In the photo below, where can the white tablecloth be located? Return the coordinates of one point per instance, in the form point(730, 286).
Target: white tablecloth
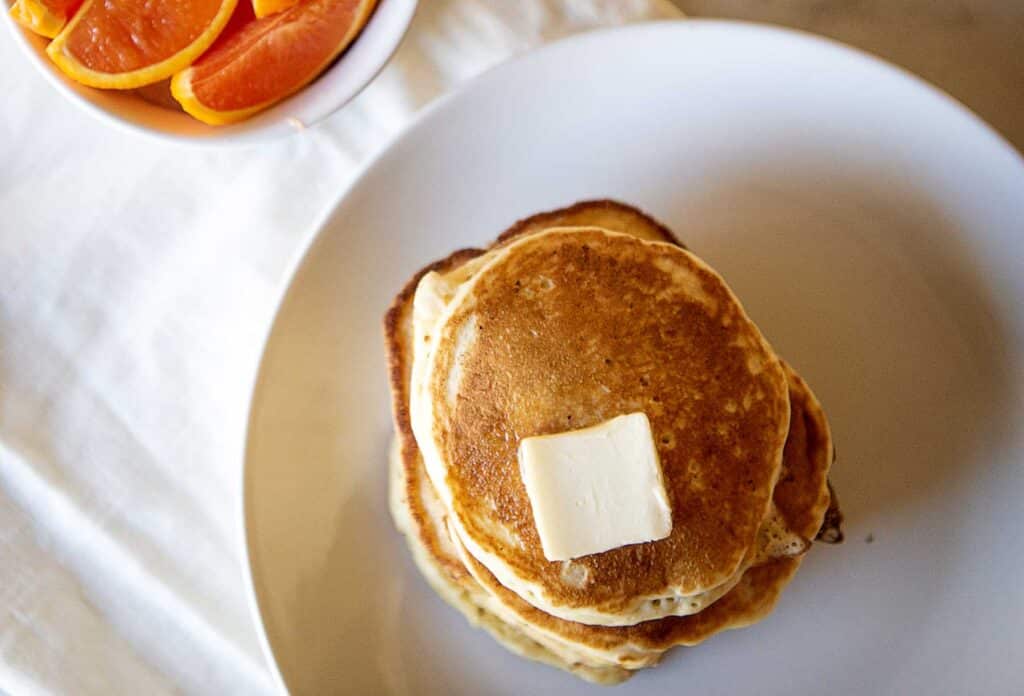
point(136, 282)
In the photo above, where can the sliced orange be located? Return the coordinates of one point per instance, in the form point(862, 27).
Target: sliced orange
point(266, 60)
point(262, 8)
point(44, 17)
point(121, 44)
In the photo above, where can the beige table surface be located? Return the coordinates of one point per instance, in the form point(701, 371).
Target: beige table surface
point(973, 49)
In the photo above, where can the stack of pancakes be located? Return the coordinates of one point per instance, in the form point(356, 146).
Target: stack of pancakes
point(569, 319)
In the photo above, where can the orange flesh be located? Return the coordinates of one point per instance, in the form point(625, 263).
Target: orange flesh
point(117, 36)
point(45, 17)
point(267, 59)
point(61, 7)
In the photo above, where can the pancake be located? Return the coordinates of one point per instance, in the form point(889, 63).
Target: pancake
point(421, 517)
point(606, 214)
point(803, 495)
point(649, 327)
point(637, 647)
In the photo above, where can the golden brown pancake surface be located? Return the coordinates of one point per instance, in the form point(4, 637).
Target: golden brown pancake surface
point(577, 327)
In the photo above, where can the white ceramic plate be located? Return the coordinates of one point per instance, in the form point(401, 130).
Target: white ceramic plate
point(338, 85)
point(874, 229)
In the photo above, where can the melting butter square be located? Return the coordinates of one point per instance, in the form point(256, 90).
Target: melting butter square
point(596, 489)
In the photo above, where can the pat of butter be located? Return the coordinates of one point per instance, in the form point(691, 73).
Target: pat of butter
point(595, 489)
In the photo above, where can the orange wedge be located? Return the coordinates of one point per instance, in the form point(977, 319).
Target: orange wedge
point(262, 8)
point(44, 17)
point(266, 60)
point(121, 44)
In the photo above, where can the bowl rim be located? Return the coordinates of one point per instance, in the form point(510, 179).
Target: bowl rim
point(243, 133)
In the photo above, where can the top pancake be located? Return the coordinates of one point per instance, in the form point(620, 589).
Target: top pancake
point(563, 330)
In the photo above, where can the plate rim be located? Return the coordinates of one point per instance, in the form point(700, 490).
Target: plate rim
point(302, 254)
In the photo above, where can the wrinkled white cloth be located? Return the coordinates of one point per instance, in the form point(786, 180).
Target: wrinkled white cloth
point(136, 282)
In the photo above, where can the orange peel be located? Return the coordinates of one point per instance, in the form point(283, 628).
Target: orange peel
point(44, 17)
point(123, 44)
point(266, 60)
point(264, 8)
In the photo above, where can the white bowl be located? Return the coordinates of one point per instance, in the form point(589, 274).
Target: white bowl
point(325, 95)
